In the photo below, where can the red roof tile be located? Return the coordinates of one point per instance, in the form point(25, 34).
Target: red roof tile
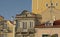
point(2, 17)
point(56, 24)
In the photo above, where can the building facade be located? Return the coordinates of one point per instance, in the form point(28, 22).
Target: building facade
point(39, 6)
point(25, 23)
point(6, 28)
point(28, 24)
point(50, 12)
point(43, 21)
point(48, 9)
point(48, 30)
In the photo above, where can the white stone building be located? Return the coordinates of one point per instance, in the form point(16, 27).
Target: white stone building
point(25, 23)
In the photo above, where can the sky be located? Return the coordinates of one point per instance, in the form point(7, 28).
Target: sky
point(10, 8)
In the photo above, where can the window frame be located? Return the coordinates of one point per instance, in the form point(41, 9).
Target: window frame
point(24, 25)
point(45, 35)
point(31, 24)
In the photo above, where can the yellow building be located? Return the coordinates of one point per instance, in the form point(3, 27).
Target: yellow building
point(11, 26)
point(49, 9)
point(1, 18)
point(7, 28)
point(39, 6)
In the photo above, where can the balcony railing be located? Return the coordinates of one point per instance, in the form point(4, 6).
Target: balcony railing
point(18, 30)
point(25, 31)
point(22, 31)
point(31, 30)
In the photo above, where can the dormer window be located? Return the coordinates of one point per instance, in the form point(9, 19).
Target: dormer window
point(49, 23)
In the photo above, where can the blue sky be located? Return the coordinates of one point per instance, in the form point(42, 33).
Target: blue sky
point(10, 8)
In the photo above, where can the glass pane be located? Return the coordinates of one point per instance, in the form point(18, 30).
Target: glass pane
point(54, 35)
point(24, 25)
point(31, 24)
point(45, 35)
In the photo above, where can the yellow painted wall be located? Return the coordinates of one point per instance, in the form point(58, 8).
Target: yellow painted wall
point(1, 18)
point(11, 27)
point(39, 6)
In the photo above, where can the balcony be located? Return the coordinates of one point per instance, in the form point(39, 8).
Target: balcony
point(31, 30)
point(24, 30)
point(18, 31)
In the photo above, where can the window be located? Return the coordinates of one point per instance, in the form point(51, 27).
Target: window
point(31, 24)
point(45, 35)
point(18, 24)
point(54, 35)
point(56, 4)
point(24, 25)
point(5, 26)
point(46, 4)
point(3, 35)
point(24, 36)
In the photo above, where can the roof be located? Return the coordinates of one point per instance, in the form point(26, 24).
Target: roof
point(56, 24)
point(1, 16)
point(27, 14)
point(12, 22)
